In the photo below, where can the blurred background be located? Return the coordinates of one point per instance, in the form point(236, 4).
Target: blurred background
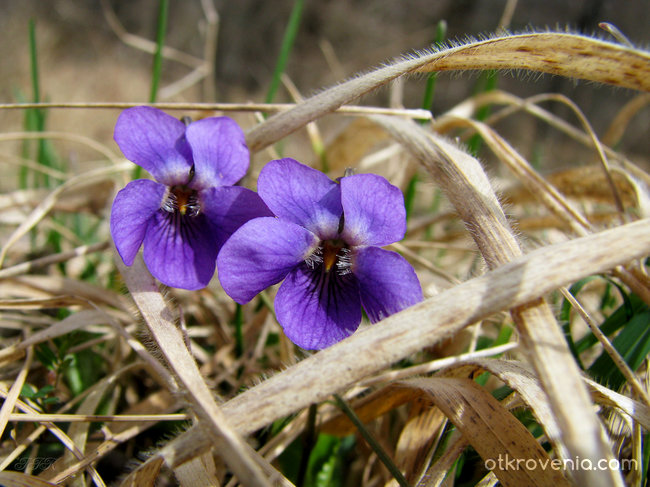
point(86, 53)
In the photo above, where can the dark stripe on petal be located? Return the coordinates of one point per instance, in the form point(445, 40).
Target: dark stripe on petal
point(180, 250)
point(317, 309)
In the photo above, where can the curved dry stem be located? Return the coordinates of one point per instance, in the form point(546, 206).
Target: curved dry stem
point(465, 184)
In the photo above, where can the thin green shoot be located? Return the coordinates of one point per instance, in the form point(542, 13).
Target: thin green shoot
point(161, 29)
point(372, 442)
point(285, 49)
point(427, 101)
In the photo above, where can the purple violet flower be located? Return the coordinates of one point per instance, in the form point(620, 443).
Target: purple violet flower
point(183, 217)
point(324, 242)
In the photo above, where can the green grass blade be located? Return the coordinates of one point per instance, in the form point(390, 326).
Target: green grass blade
point(374, 444)
point(163, 13)
point(33, 62)
point(617, 320)
point(285, 49)
point(427, 101)
point(633, 343)
point(161, 29)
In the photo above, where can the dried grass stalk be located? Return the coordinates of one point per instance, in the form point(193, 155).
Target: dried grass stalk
point(375, 348)
point(467, 188)
point(161, 324)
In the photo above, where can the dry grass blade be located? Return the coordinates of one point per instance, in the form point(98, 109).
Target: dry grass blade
point(48, 203)
point(418, 439)
point(120, 433)
point(198, 471)
point(14, 392)
point(17, 479)
point(78, 320)
point(634, 409)
point(494, 433)
point(26, 267)
point(47, 303)
point(563, 54)
point(160, 322)
point(538, 186)
point(373, 349)
point(521, 379)
point(53, 285)
point(145, 475)
point(550, 52)
point(619, 124)
point(640, 412)
point(466, 186)
point(65, 440)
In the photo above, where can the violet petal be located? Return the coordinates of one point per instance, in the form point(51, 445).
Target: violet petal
point(219, 152)
point(133, 207)
point(228, 208)
point(261, 253)
point(179, 250)
point(302, 195)
point(387, 281)
point(374, 210)
point(317, 309)
point(154, 141)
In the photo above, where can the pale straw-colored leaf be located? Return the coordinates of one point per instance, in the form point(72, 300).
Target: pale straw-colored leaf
point(562, 54)
point(496, 435)
point(198, 471)
point(635, 409)
point(418, 439)
point(399, 336)
point(521, 379)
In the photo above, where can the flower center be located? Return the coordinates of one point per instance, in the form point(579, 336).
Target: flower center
point(182, 200)
point(331, 254)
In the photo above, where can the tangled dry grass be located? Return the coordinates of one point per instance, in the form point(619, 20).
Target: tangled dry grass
point(106, 378)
